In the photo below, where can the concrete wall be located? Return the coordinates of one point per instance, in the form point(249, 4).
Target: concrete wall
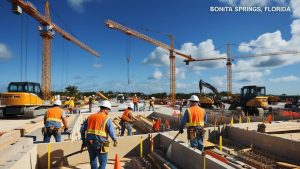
point(185, 157)
point(284, 148)
point(23, 154)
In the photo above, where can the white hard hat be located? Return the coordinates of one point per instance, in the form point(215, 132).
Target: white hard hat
point(152, 98)
point(130, 105)
point(57, 102)
point(105, 103)
point(194, 98)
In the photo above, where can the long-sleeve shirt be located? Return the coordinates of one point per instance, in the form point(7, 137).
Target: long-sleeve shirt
point(109, 126)
point(185, 119)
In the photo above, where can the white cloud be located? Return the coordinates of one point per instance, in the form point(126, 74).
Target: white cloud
point(4, 52)
point(295, 5)
point(205, 49)
point(252, 2)
point(158, 57)
point(157, 74)
point(96, 65)
point(77, 5)
point(289, 78)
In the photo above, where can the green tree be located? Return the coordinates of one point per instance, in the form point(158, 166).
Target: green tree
point(72, 91)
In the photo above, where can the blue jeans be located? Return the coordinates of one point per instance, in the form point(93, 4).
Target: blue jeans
point(198, 143)
point(136, 107)
point(126, 125)
point(47, 136)
point(93, 150)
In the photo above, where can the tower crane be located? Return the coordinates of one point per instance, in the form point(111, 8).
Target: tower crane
point(229, 60)
point(47, 30)
point(114, 25)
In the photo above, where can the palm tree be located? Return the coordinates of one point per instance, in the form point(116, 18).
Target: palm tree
point(72, 91)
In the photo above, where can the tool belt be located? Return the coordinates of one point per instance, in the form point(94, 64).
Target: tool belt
point(102, 147)
point(51, 130)
point(195, 132)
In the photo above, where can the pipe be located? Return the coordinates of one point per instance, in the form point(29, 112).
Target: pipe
point(163, 160)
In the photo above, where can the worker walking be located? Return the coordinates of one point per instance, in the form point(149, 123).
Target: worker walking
point(194, 118)
point(94, 135)
point(126, 120)
point(151, 103)
point(52, 120)
point(136, 103)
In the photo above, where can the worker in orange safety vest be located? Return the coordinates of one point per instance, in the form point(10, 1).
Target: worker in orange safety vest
point(135, 100)
point(126, 120)
point(194, 118)
point(52, 120)
point(94, 135)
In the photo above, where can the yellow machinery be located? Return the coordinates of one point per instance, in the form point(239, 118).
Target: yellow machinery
point(253, 100)
point(205, 101)
point(23, 98)
point(273, 99)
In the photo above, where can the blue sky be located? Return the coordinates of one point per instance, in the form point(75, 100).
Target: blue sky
point(196, 29)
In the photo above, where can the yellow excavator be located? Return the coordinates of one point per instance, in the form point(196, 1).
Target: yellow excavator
point(23, 98)
point(208, 102)
point(252, 100)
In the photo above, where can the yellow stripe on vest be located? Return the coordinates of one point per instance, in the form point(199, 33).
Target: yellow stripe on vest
point(100, 132)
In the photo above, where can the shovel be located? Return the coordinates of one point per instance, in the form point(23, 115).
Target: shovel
point(170, 147)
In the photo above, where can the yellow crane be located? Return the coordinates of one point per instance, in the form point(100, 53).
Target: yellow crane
point(128, 31)
point(229, 60)
point(23, 98)
point(47, 30)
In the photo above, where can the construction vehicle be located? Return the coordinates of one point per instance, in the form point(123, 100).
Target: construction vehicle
point(205, 101)
point(23, 98)
point(252, 100)
point(273, 99)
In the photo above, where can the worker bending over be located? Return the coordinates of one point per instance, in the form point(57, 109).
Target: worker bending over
point(194, 118)
point(94, 135)
point(52, 120)
point(126, 119)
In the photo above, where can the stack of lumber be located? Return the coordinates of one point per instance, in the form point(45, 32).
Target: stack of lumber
point(278, 127)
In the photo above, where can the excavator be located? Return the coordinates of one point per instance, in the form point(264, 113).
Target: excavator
point(252, 100)
point(23, 98)
point(208, 102)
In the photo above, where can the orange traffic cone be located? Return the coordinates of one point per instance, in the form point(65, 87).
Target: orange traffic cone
point(117, 162)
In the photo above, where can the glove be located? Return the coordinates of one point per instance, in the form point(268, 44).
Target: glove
point(115, 143)
point(66, 129)
point(181, 131)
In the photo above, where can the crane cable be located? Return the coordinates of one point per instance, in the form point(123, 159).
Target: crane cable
point(128, 57)
point(26, 47)
point(21, 62)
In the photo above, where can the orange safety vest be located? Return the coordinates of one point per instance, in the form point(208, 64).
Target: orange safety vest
point(196, 116)
point(135, 100)
point(125, 115)
point(54, 114)
point(96, 124)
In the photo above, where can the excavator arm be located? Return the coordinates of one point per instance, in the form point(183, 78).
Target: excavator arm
point(209, 86)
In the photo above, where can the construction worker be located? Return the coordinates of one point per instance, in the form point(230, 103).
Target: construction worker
point(71, 104)
point(151, 103)
point(94, 135)
point(90, 104)
point(194, 118)
point(52, 121)
point(67, 102)
point(156, 125)
point(135, 100)
point(126, 119)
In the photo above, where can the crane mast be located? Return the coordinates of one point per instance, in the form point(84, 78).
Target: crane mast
point(114, 25)
point(47, 34)
point(229, 59)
